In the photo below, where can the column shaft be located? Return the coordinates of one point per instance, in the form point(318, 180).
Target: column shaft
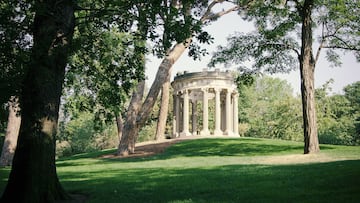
point(177, 114)
point(185, 131)
point(194, 118)
point(228, 130)
point(235, 115)
point(205, 130)
point(217, 130)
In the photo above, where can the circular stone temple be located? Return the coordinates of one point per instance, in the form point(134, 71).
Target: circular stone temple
point(205, 103)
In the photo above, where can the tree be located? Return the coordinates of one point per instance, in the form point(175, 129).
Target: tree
point(190, 26)
point(338, 115)
point(269, 110)
point(274, 46)
point(12, 132)
point(15, 20)
point(352, 94)
point(118, 67)
point(102, 75)
point(33, 176)
point(164, 106)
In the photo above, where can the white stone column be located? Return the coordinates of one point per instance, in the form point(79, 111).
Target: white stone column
point(177, 114)
point(228, 130)
point(223, 115)
point(194, 117)
point(185, 131)
point(217, 130)
point(205, 130)
point(236, 114)
point(174, 117)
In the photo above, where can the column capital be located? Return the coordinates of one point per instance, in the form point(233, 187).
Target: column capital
point(183, 91)
point(217, 89)
point(205, 89)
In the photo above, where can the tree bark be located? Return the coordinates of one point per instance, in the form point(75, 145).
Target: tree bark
point(131, 127)
point(33, 177)
point(307, 68)
point(164, 107)
point(12, 132)
point(119, 125)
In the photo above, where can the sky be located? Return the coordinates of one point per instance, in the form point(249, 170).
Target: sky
point(226, 25)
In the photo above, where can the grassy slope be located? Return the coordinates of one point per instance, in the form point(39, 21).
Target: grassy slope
point(217, 170)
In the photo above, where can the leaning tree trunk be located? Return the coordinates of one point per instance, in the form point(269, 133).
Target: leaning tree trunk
point(119, 125)
point(135, 122)
point(33, 177)
point(127, 144)
point(164, 107)
point(12, 132)
point(307, 68)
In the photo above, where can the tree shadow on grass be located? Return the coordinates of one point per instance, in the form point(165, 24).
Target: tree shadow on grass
point(321, 182)
point(198, 148)
point(220, 148)
point(227, 147)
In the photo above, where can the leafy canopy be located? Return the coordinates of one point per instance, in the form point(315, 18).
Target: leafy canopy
point(275, 45)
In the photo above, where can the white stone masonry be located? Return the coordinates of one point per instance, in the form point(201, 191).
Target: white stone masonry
point(201, 88)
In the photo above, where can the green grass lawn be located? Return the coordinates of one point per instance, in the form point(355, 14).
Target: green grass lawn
point(217, 170)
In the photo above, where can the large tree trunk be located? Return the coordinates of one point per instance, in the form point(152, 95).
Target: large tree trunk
point(12, 132)
point(307, 68)
point(164, 107)
point(127, 144)
point(136, 121)
point(33, 177)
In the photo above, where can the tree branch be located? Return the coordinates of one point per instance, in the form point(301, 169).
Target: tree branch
point(323, 39)
point(343, 48)
point(219, 14)
point(208, 11)
point(285, 46)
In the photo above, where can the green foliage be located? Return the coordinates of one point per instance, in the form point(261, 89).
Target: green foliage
point(79, 136)
point(272, 48)
point(244, 80)
point(338, 115)
point(15, 43)
point(352, 94)
point(147, 133)
point(275, 45)
point(266, 55)
point(268, 109)
point(340, 27)
point(111, 41)
point(105, 75)
point(3, 118)
point(2, 139)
